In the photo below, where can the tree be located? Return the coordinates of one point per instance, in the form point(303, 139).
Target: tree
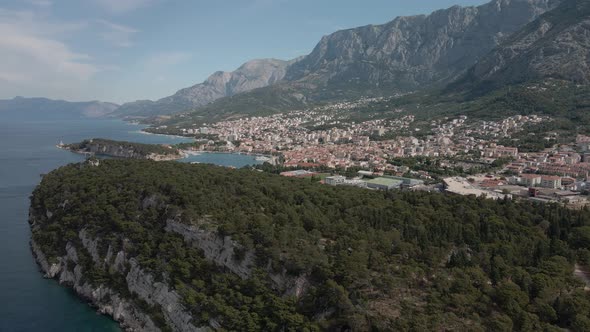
point(581, 237)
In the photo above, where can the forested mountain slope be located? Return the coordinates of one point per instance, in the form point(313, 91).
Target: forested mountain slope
point(178, 246)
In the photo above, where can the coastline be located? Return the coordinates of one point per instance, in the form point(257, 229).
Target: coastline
point(141, 131)
point(156, 157)
point(188, 152)
point(51, 271)
point(103, 300)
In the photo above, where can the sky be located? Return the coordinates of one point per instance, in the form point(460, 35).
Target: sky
point(126, 50)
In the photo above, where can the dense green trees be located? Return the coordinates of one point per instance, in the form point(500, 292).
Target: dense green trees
point(454, 166)
point(381, 260)
point(138, 148)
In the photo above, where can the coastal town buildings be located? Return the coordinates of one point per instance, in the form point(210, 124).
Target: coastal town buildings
point(327, 138)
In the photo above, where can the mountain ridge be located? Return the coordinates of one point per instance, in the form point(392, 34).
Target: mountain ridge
point(417, 49)
point(253, 74)
point(554, 46)
point(90, 109)
point(404, 55)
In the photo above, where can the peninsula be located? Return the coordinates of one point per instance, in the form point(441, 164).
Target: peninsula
point(122, 149)
point(165, 246)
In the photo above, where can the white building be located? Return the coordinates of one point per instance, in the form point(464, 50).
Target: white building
point(553, 182)
point(335, 180)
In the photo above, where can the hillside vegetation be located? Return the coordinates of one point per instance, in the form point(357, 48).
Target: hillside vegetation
point(370, 260)
point(122, 149)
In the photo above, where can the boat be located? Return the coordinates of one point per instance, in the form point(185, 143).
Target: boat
point(193, 153)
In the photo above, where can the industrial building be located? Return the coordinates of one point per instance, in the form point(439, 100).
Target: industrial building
point(335, 180)
point(300, 173)
point(384, 183)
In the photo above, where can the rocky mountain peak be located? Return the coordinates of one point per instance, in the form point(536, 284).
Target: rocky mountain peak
point(409, 52)
point(556, 45)
point(405, 54)
point(251, 75)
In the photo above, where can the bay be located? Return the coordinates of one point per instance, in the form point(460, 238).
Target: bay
point(28, 302)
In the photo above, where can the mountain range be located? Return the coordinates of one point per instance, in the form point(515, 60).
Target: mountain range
point(410, 52)
point(26, 106)
point(251, 75)
point(556, 45)
point(406, 54)
point(479, 48)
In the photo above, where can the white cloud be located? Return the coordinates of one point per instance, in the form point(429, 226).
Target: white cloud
point(122, 6)
point(116, 34)
point(33, 59)
point(31, 22)
point(23, 53)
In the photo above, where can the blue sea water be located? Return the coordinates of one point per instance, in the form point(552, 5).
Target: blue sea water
point(27, 149)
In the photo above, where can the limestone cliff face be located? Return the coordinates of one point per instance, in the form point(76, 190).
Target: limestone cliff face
point(221, 250)
point(143, 285)
point(409, 52)
point(107, 301)
point(556, 45)
point(251, 75)
point(404, 55)
point(124, 309)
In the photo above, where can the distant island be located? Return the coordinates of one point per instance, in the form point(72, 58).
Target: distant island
point(122, 149)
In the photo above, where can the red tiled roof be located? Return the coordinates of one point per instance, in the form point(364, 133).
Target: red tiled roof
point(529, 176)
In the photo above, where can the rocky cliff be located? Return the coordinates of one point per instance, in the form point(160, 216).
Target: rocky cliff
point(556, 45)
point(139, 296)
point(110, 275)
point(407, 54)
point(183, 247)
point(106, 300)
point(133, 305)
point(410, 52)
point(221, 250)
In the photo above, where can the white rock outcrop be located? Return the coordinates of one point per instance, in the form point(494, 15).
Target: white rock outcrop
point(220, 250)
point(108, 301)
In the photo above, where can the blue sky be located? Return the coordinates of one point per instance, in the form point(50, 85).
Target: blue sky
point(124, 50)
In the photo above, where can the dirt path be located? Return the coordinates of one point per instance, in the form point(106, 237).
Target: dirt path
point(583, 275)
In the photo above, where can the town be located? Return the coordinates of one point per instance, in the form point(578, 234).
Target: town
point(461, 156)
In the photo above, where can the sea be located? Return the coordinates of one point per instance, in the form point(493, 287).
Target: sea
point(28, 302)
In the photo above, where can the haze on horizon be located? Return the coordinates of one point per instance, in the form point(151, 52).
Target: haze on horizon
point(125, 50)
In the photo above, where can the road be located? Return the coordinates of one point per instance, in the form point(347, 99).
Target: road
point(583, 275)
